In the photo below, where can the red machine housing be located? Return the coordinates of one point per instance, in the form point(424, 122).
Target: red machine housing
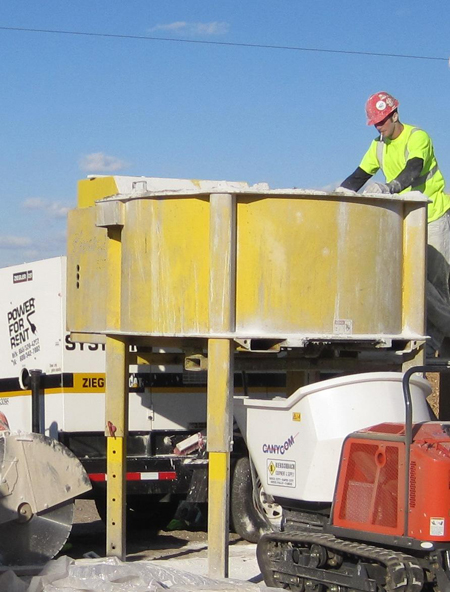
point(370, 490)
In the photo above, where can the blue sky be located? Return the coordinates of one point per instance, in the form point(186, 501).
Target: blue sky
point(77, 105)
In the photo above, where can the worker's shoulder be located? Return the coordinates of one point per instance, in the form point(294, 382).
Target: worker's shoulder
point(414, 130)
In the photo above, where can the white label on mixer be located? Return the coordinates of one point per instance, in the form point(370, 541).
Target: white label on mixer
point(343, 327)
point(281, 472)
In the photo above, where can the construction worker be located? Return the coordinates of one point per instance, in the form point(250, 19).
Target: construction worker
point(405, 154)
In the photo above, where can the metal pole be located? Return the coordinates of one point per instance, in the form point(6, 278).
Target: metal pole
point(414, 277)
point(219, 423)
point(116, 454)
point(220, 376)
point(116, 405)
point(35, 387)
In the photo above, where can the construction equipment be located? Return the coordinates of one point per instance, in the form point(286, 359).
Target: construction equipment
point(372, 517)
point(238, 276)
point(39, 480)
point(211, 268)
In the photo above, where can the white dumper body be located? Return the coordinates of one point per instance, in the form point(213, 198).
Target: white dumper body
point(296, 454)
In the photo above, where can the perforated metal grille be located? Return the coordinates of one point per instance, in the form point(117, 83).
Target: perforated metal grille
point(370, 494)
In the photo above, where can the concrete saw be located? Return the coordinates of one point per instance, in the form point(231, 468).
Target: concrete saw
point(39, 479)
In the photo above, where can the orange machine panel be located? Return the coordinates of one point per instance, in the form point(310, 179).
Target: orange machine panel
point(370, 492)
point(429, 498)
point(370, 489)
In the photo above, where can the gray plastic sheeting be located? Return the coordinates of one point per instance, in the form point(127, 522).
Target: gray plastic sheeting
point(112, 575)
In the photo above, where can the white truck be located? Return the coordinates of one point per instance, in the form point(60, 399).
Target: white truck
point(166, 403)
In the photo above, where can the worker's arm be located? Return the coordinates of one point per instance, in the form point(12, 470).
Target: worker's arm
point(356, 180)
point(367, 168)
point(406, 178)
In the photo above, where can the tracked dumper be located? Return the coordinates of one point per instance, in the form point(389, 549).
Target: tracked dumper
point(362, 484)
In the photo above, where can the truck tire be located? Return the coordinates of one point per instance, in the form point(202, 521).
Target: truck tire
point(246, 520)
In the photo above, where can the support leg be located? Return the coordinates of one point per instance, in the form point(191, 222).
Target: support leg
point(116, 433)
point(220, 424)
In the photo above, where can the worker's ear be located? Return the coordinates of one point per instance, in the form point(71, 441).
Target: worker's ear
point(395, 117)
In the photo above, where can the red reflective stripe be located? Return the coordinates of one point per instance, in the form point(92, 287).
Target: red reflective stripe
point(97, 476)
point(168, 476)
point(162, 476)
point(152, 476)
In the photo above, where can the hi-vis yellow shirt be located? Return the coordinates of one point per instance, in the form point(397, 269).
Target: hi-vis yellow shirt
point(392, 155)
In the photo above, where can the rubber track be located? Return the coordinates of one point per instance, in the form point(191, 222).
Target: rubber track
point(403, 572)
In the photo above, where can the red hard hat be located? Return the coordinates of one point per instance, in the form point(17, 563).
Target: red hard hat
point(379, 106)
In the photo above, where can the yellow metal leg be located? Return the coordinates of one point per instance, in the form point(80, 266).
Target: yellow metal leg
point(414, 278)
point(116, 498)
point(222, 295)
point(116, 433)
point(220, 413)
point(218, 514)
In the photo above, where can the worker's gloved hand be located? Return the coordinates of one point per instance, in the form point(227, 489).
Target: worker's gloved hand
point(376, 188)
point(394, 186)
point(344, 191)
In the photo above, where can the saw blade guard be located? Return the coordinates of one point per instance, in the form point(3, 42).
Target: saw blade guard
point(38, 471)
point(39, 479)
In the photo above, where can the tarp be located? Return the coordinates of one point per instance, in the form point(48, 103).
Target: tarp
point(112, 575)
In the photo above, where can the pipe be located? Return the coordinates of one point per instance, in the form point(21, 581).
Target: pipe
point(35, 387)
